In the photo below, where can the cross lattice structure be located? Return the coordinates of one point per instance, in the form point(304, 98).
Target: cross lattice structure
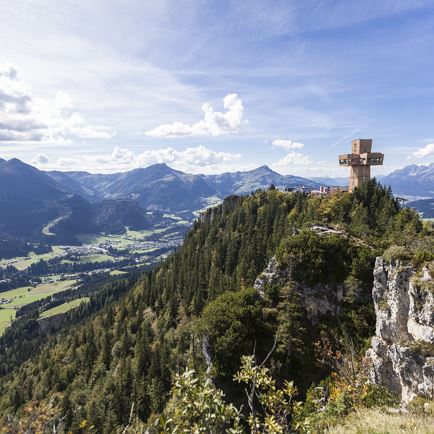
point(360, 161)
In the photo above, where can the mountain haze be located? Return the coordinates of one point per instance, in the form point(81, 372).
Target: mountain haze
point(412, 180)
point(36, 207)
point(163, 188)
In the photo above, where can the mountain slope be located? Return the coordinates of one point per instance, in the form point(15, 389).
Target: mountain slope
point(262, 177)
point(28, 198)
point(155, 187)
point(163, 188)
point(42, 208)
point(73, 185)
point(337, 181)
point(412, 180)
point(25, 182)
point(424, 206)
point(180, 314)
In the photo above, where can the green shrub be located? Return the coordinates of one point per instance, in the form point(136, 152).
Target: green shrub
point(377, 395)
point(383, 305)
point(425, 349)
point(421, 405)
point(394, 253)
point(232, 323)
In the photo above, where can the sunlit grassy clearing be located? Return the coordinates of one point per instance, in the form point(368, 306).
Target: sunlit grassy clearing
point(117, 272)
point(139, 235)
point(122, 240)
point(23, 262)
point(47, 229)
point(94, 258)
point(375, 421)
point(65, 307)
point(21, 296)
point(96, 239)
point(5, 318)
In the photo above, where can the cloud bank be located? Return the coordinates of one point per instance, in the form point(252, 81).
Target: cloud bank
point(213, 123)
point(423, 152)
point(287, 144)
point(197, 159)
point(293, 158)
point(24, 118)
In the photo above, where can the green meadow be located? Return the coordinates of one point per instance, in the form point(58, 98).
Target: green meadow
point(65, 307)
point(27, 294)
point(5, 318)
point(21, 263)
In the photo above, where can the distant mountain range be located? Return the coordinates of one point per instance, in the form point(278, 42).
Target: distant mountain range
point(412, 180)
point(53, 207)
point(325, 180)
point(34, 206)
point(159, 187)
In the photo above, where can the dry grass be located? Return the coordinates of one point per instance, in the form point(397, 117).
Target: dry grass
point(375, 421)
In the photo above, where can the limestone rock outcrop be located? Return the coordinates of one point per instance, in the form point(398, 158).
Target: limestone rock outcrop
point(272, 275)
point(322, 299)
point(402, 352)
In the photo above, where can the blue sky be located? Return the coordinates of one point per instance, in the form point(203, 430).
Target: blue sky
point(211, 86)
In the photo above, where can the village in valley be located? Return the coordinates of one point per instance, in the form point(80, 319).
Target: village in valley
point(66, 270)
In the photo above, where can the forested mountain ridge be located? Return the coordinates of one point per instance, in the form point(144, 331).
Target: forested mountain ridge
point(200, 302)
point(161, 187)
point(41, 209)
point(36, 208)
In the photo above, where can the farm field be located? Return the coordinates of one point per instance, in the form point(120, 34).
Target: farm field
point(117, 273)
point(5, 318)
point(121, 241)
point(65, 307)
point(26, 294)
point(136, 248)
point(21, 263)
point(95, 258)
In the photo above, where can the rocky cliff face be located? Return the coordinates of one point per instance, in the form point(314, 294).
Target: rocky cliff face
point(319, 300)
point(402, 353)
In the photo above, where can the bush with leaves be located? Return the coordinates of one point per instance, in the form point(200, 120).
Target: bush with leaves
point(197, 406)
point(270, 406)
point(346, 389)
point(232, 324)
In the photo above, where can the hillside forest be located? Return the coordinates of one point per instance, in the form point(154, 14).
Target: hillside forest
point(195, 343)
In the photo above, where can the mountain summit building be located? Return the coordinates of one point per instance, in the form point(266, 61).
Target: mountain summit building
point(360, 161)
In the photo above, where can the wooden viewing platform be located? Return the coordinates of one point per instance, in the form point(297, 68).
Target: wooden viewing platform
point(360, 161)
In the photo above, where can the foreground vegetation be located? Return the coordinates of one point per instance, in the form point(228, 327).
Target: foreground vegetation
point(381, 421)
point(119, 369)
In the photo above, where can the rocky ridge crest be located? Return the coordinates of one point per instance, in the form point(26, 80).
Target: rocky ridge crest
point(402, 352)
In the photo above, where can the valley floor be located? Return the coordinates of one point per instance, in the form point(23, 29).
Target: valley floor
point(99, 254)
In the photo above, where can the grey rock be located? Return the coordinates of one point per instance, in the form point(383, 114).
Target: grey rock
point(404, 307)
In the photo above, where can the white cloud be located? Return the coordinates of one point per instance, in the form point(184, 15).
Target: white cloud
point(423, 152)
point(293, 158)
point(213, 123)
point(197, 159)
point(40, 159)
point(287, 144)
point(24, 118)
